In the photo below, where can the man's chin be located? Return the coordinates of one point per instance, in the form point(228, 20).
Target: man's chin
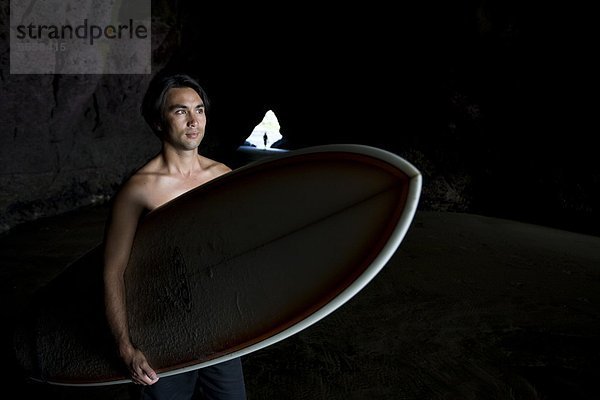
point(192, 143)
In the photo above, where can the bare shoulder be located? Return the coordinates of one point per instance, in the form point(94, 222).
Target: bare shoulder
point(137, 188)
point(215, 168)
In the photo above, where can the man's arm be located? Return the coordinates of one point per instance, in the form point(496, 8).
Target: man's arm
point(122, 224)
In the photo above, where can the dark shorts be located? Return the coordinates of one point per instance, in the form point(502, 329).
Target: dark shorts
point(224, 381)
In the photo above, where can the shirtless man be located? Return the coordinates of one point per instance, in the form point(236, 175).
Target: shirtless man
point(175, 108)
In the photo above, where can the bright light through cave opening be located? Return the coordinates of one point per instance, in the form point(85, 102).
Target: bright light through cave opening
point(266, 133)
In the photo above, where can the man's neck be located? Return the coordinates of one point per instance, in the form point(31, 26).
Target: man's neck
point(180, 162)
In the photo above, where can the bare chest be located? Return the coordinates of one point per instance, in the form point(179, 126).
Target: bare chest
point(168, 188)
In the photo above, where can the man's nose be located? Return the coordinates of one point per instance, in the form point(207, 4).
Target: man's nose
point(192, 120)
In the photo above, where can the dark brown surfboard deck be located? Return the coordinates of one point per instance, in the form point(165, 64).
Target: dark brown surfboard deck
point(231, 267)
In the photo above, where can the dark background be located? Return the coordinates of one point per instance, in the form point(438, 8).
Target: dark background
point(492, 100)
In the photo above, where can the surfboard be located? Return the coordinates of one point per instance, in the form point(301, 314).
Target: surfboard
point(228, 268)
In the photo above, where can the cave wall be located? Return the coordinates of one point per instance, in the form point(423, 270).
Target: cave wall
point(471, 92)
point(69, 140)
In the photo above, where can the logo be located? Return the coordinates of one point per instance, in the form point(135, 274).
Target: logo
point(80, 37)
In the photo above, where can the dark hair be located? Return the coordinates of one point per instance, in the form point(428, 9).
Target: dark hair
point(154, 100)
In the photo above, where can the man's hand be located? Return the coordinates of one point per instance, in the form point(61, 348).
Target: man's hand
point(140, 371)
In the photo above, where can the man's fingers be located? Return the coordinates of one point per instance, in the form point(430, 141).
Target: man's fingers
point(146, 374)
point(140, 371)
point(141, 377)
point(150, 374)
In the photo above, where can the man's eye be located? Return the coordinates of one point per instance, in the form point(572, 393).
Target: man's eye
point(200, 110)
point(180, 112)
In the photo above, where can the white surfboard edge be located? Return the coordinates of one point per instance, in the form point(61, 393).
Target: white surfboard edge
point(388, 250)
point(378, 263)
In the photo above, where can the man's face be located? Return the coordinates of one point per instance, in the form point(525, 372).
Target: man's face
point(184, 117)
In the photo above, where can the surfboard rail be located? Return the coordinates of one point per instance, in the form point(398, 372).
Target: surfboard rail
point(217, 261)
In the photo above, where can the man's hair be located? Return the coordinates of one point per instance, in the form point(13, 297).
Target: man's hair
point(153, 104)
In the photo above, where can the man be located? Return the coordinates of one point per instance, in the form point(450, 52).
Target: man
point(175, 108)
